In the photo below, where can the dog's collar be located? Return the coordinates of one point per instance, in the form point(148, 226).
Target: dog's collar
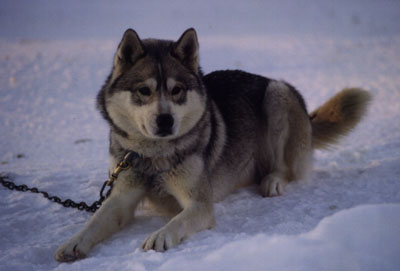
point(124, 164)
point(130, 157)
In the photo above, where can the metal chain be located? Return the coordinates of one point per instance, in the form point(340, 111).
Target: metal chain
point(82, 206)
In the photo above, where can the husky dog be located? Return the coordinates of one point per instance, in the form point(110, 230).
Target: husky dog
point(200, 137)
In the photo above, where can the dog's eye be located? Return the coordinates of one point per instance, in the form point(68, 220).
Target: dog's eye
point(145, 91)
point(176, 90)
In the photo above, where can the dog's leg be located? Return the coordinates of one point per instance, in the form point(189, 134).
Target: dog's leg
point(288, 138)
point(274, 183)
point(116, 212)
point(189, 185)
point(276, 106)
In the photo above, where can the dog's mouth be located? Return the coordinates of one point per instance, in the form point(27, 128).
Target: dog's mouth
point(159, 133)
point(164, 132)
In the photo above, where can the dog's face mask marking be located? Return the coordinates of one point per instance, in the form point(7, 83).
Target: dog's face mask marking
point(156, 91)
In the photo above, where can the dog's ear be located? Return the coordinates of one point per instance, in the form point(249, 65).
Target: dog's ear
point(186, 49)
point(129, 51)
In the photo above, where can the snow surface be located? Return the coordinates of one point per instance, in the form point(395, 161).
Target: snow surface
point(54, 57)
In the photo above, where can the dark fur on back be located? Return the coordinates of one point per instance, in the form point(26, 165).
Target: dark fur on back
point(225, 84)
point(224, 87)
point(238, 94)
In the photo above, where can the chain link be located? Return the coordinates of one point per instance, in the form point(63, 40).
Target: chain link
point(125, 164)
point(82, 206)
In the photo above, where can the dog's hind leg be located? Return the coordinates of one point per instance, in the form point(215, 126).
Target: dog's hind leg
point(274, 182)
point(286, 137)
point(275, 135)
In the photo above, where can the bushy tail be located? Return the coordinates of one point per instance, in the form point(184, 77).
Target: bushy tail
point(338, 116)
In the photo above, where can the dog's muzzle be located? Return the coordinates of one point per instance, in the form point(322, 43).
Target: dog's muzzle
point(165, 123)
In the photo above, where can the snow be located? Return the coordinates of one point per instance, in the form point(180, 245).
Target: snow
point(336, 237)
point(54, 57)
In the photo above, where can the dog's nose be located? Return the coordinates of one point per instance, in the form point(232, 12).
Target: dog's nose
point(165, 123)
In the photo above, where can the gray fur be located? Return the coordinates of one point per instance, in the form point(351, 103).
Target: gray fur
point(225, 130)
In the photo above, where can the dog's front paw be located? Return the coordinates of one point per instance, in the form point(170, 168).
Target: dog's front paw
point(162, 240)
point(74, 249)
point(272, 186)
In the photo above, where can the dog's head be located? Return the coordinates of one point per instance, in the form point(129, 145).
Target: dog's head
point(155, 88)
